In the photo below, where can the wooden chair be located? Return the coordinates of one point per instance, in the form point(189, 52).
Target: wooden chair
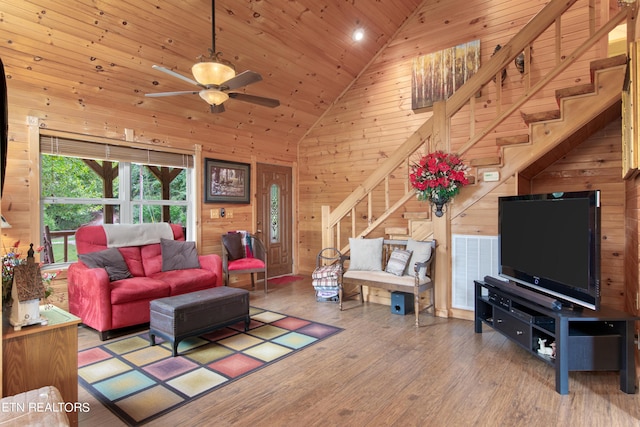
point(243, 253)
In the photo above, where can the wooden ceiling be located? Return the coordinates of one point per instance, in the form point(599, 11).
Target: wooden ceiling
point(99, 53)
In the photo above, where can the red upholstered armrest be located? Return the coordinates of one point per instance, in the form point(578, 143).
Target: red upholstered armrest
point(212, 262)
point(90, 295)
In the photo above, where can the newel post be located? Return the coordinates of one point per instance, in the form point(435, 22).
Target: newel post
point(442, 225)
point(327, 234)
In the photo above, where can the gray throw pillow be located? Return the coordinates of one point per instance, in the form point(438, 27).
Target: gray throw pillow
point(111, 260)
point(365, 254)
point(178, 255)
point(398, 261)
point(233, 244)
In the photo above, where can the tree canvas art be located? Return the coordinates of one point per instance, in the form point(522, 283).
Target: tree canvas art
point(438, 75)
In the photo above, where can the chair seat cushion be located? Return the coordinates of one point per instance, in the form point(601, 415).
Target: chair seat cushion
point(246, 264)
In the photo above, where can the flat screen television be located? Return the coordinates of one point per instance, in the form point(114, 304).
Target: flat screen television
point(550, 243)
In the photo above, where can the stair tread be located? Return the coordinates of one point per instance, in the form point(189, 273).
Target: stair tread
point(415, 215)
point(512, 140)
point(486, 161)
point(613, 61)
point(542, 116)
point(575, 90)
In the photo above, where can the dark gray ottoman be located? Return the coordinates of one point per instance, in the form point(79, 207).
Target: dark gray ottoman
point(182, 316)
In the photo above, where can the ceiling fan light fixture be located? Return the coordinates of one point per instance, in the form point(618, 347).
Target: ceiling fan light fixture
point(212, 73)
point(213, 96)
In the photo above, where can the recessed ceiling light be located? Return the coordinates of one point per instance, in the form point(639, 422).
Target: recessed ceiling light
point(358, 34)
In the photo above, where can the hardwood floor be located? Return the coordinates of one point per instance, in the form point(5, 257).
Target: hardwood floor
point(383, 371)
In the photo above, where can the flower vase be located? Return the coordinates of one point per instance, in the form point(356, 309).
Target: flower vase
point(439, 205)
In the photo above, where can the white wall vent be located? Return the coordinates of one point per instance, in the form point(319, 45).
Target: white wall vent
point(473, 258)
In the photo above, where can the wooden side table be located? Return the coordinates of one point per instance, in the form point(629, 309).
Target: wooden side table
point(38, 356)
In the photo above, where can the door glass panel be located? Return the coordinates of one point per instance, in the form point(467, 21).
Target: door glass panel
point(274, 215)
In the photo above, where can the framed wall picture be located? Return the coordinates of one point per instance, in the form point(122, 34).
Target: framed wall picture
point(226, 182)
point(438, 75)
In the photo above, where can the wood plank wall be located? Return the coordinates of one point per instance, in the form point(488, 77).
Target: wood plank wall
point(354, 136)
point(375, 116)
point(594, 164)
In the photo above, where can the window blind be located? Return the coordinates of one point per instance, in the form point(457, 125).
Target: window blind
point(60, 146)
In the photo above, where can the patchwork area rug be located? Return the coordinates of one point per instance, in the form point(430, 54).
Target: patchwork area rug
point(139, 383)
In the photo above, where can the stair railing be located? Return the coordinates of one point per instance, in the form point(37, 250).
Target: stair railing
point(550, 15)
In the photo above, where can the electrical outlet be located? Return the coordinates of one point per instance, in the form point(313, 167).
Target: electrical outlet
point(214, 213)
point(229, 213)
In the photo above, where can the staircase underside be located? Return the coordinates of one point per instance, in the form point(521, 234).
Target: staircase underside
point(581, 116)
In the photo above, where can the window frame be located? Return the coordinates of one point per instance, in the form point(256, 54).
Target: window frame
point(36, 213)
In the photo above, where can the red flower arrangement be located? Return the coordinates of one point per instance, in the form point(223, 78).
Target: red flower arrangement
point(438, 176)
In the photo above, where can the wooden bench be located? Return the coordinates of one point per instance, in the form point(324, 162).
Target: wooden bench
point(412, 283)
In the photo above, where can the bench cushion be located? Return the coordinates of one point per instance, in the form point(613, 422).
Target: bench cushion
point(384, 277)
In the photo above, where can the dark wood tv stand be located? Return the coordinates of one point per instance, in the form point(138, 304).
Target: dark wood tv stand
point(585, 340)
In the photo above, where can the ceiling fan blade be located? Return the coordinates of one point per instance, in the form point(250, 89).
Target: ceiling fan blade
point(217, 108)
point(184, 92)
point(174, 74)
point(242, 79)
point(259, 100)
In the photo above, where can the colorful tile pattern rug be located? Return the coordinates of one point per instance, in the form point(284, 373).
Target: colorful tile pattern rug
point(139, 383)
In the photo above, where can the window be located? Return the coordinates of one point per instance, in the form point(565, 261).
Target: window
point(274, 214)
point(96, 183)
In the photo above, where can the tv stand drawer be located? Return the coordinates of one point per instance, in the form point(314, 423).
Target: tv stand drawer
point(512, 327)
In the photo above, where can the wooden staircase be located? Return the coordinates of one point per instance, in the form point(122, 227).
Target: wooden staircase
point(549, 130)
point(578, 106)
point(531, 119)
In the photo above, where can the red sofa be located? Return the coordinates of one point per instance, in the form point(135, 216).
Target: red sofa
point(106, 305)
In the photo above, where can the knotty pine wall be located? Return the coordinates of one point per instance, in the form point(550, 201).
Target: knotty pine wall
point(375, 115)
point(594, 164)
point(372, 118)
point(356, 133)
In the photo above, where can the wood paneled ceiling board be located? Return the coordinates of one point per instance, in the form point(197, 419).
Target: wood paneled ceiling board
point(98, 53)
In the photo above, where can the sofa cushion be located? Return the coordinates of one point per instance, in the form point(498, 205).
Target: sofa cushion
point(365, 254)
point(181, 282)
point(398, 261)
point(233, 244)
point(138, 288)
point(133, 258)
point(151, 259)
point(421, 252)
point(111, 260)
point(177, 255)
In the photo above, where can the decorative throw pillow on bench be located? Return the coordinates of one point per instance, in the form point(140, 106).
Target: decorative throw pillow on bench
point(398, 262)
point(420, 252)
point(365, 254)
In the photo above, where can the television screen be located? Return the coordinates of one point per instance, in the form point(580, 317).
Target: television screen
point(551, 243)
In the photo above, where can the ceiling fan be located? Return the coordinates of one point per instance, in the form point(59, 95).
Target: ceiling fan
point(216, 77)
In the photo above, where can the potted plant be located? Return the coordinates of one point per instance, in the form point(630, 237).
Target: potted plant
point(10, 260)
point(437, 178)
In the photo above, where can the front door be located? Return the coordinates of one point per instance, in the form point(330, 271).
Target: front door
point(274, 216)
